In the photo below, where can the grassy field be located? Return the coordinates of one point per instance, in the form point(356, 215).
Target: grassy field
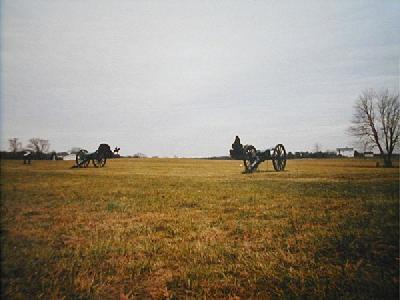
point(183, 228)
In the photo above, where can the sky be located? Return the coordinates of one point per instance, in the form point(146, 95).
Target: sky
point(183, 78)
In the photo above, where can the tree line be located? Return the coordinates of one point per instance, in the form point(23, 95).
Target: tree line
point(36, 145)
point(375, 124)
point(40, 148)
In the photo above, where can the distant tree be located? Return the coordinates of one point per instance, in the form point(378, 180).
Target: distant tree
point(39, 145)
point(376, 122)
point(317, 147)
point(14, 146)
point(139, 155)
point(364, 146)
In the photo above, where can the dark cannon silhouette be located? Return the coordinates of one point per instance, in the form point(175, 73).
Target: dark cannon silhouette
point(98, 158)
point(252, 157)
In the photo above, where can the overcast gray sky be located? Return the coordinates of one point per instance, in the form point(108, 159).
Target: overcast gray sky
point(184, 77)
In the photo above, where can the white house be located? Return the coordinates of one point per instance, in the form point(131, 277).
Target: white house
point(70, 157)
point(346, 152)
point(369, 154)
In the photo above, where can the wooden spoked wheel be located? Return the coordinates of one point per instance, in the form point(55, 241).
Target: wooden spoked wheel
point(100, 161)
point(279, 158)
point(81, 159)
point(249, 158)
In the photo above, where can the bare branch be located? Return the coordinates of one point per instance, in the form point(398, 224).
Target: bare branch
point(39, 145)
point(14, 145)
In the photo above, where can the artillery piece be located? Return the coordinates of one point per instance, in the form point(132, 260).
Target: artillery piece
point(98, 158)
point(252, 157)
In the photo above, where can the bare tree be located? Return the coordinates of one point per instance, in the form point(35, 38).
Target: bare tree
point(376, 121)
point(317, 147)
point(39, 145)
point(14, 145)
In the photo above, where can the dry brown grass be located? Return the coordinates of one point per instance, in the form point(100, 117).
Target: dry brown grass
point(182, 228)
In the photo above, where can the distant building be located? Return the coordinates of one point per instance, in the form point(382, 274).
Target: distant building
point(346, 152)
point(369, 154)
point(70, 157)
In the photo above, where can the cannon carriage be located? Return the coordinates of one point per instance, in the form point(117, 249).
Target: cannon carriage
point(252, 157)
point(98, 158)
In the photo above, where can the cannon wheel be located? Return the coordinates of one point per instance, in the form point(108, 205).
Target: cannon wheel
point(279, 158)
point(99, 161)
point(248, 158)
point(81, 160)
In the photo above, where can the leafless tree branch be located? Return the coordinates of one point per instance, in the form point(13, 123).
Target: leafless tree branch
point(39, 145)
point(14, 145)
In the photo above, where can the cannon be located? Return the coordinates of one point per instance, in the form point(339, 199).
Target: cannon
point(98, 158)
point(252, 157)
